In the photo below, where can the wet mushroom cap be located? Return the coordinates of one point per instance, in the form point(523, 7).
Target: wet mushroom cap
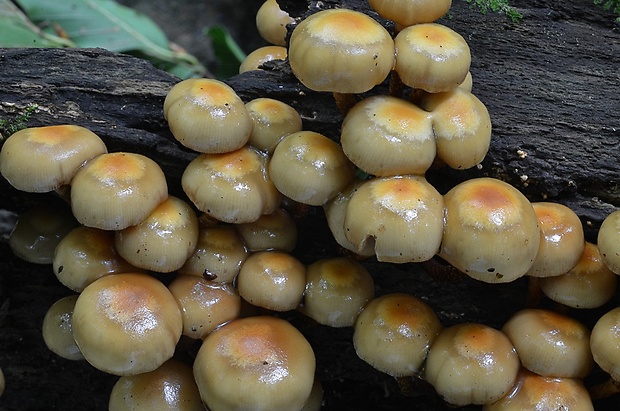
point(271, 22)
point(117, 190)
point(407, 12)
point(609, 241)
point(255, 362)
point(341, 50)
point(262, 55)
point(272, 120)
point(57, 331)
point(275, 231)
point(41, 159)
point(605, 343)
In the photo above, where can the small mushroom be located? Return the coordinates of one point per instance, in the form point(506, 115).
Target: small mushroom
point(272, 120)
point(407, 12)
point(262, 55)
point(609, 241)
point(57, 332)
point(275, 231)
point(605, 346)
point(271, 22)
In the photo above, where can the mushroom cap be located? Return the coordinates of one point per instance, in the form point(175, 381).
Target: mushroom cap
point(386, 136)
point(205, 305)
point(86, 254)
point(126, 324)
point(310, 168)
point(164, 240)
point(57, 331)
point(272, 279)
point(589, 284)
point(408, 12)
point(609, 241)
point(169, 387)
point(219, 253)
point(431, 57)
point(394, 333)
point(401, 215)
point(337, 289)
point(272, 120)
point(605, 343)
point(261, 363)
point(491, 231)
point(207, 116)
point(271, 22)
point(535, 392)
point(116, 190)
point(550, 344)
point(41, 159)
point(471, 363)
point(562, 240)
point(340, 50)
point(38, 231)
point(231, 187)
point(262, 55)
point(275, 231)
point(462, 127)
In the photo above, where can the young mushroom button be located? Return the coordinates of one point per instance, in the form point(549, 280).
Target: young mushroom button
point(409, 12)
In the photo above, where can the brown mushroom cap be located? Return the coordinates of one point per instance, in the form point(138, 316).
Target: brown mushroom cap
point(550, 344)
point(41, 159)
point(491, 231)
point(341, 50)
point(394, 334)
point(401, 215)
point(275, 231)
point(609, 241)
point(126, 324)
point(605, 343)
point(471, 363)
point(386, 136)
point(410, 12)
point(431, 57)
point(57, 331)
point(164, 240)
point(116, 190)
point(262, 55)
point(207, 116)
point(336, 291)
point(255, 363)
point(169, 387)
point(271, 22)
point(272, 120)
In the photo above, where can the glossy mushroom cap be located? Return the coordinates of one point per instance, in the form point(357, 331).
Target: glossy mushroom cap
point(410, 12)
point(337, 289)
point(275, 231)
point(471, 363)
point(402, 216)
point(310, 168)
point(394, 334)
point(605, 343)
point(271, 22)
point(231, 187)
point(41, 159)
point(609, 241)
point(550, 344)
point(387, 136)
point(431, 57)
point(262, 55)
point(126, 324)
point(57, 332)
point(342, 51)
point(491, 231)
point(116, 190)
point(164, 240)
point(272, 120)
point(562, 240)
point(169, 387)
point(255, 363)
point(207, 116)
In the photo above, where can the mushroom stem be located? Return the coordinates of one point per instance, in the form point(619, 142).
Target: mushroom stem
point(533, 292)
point(396, 85)
point(441, 270)
point(604, 389)
point(406, 386)
point(344, 102)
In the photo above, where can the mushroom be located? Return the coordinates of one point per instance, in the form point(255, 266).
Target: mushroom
point(126, 324)
point(605, 346)
point(407, 13)
point(589, 284)
point(116, 190)
point(205, 305)
point(231, 187)
point(207, 116)
point(38, 231)
point(275, 231)
point(42, 159)
point(272, 120)
point(164, 240)
point(219, 253)
point(401, 215)
point(274, 280)
point(471, 363)
point(2, 382)
point(609, 242)
point(260, 56)
point(431, 57)
point(271, 22)
point(169, 387)
point(337, 289)
point(310, 168)
point(341, 51)
point(57, 331)
point(550, 344)
point(386, 136)
point(255, 363)
point(491, 231)
point(86, 254)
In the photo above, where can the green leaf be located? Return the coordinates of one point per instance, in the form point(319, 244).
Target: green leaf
point(16, 30)
point(228, 53)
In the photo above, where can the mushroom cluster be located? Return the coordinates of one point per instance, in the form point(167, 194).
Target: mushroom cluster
point(218, 264)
